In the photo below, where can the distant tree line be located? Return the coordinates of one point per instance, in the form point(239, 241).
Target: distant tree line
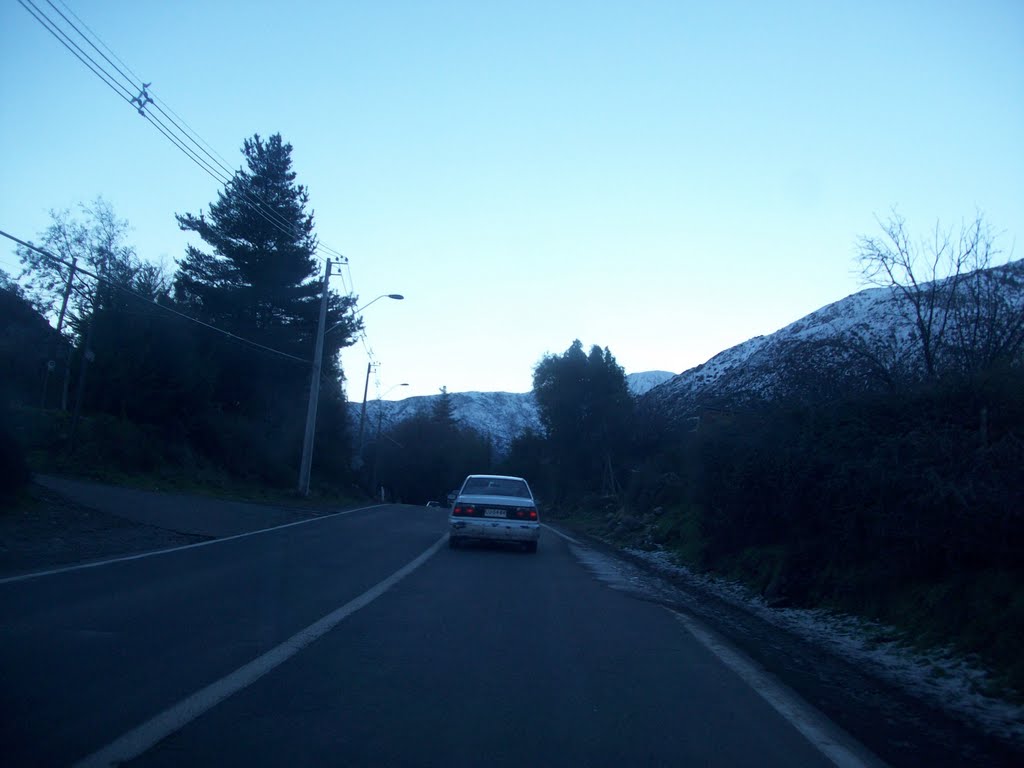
point(424, 457)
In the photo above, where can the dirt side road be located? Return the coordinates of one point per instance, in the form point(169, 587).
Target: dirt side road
point(76, 521)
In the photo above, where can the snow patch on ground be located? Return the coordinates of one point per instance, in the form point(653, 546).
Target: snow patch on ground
point(941, 677)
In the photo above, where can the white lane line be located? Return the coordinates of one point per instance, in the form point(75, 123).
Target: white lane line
point(838, 746)
point(565, 536)
point(138, 740)
point(139, 556)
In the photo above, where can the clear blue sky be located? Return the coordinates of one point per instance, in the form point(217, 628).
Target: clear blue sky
point(664, 178)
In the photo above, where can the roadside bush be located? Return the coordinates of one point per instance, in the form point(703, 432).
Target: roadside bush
point(858, 504)
point(14, 472)
point(249, 449)
point(107, 443)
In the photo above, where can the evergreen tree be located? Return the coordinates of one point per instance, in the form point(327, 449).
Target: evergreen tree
point(260, 278)
point(585, 408)
point(261, 275)
point(443, 411)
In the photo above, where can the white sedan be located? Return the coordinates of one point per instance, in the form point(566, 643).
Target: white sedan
point(494, 508)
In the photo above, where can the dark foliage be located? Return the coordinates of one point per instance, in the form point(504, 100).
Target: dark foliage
point(872, 504)
point(14, 471)
point(424, 457)
point(27, 343)
point(261, 280)
point(920, 484)
point(529, 456)
point(585, 408)
point(199, 394)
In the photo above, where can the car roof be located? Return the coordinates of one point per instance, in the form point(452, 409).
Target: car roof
point(497, 477)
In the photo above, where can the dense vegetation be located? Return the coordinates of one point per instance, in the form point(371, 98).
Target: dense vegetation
point(905, 507)
point(138, 387)
point(424, 457)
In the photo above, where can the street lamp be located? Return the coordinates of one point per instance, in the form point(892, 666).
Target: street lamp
point(380, 407)
point(376, 445)
point(306, 465)
point(395, 296)
point(403, 384)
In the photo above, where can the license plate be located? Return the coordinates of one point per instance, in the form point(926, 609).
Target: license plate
point(495, 513)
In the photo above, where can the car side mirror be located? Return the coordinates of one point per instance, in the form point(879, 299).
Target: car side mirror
point(452, 496)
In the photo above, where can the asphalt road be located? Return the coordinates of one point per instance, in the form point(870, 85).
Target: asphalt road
point(480, 656)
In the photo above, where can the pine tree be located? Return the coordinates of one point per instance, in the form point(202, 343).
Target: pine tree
point(259, 277)
point(585, 407)
point(443, 411)
point(261, 274)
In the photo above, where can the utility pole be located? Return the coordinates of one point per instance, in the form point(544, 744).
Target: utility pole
point(87, 355)
point(60, 324)
point(314, 391)
point(362, 414)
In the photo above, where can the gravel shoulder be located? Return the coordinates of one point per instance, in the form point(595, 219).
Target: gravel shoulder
point(893, 717)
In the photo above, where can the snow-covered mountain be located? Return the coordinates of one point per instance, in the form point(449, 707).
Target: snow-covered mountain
point(847, 346)
point(840, 348)
point(503, 416)
point(642, 383)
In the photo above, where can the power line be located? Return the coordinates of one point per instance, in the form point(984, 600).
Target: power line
point(158, 102)
point(54, 31)
point(98, 39)
point(155, 303)
point(10, 268)
point(101, 53)
point(211, 161)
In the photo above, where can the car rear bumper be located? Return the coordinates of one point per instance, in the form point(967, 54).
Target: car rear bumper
point(493, 530)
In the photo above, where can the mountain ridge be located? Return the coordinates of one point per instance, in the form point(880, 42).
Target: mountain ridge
point(844, 347)
point(502, 416)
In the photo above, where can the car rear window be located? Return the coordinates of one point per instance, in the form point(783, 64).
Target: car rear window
point(490, 486)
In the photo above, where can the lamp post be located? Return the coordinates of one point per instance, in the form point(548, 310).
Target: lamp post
point(306, 465)
point(314, 390)
point(380, 406)
point(369, 364)
point(395, 296)
point(376, 443)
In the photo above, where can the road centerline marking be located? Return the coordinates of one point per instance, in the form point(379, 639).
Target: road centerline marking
point(148, 734)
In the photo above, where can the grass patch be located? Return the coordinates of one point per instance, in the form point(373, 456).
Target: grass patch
point(979, 613)
point(679, 530)
point(117, 452)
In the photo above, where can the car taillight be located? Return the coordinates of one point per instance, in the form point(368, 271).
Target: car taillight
point(463, 510)
point(533, 514)
point(530, 513)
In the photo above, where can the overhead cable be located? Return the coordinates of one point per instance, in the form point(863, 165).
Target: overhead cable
point(148, 300)
point(204, 156)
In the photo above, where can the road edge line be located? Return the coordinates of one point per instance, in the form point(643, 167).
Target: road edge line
point(842, 749)
point(141, 738)
point(565, 536)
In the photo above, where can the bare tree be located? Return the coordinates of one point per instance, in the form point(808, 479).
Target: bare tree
point(97, 243)
point(988, 320)
point(962, 316)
